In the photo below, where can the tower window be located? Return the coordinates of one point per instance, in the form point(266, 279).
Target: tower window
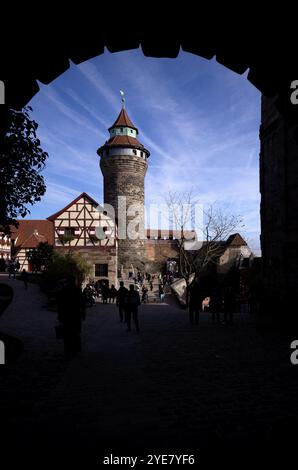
point(131, 131)
point(142, 154)
point(134, 151)
point(121, 130)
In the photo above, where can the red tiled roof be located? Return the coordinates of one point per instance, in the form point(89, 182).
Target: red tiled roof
point(30, 233)
point(123, 140)
point(123, 120)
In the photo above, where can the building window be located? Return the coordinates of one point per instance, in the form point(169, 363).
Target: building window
point(131, 131)
point(69, 232)
point(134, 151)
point(142, 154)
point(121, 130)
point(101, 270)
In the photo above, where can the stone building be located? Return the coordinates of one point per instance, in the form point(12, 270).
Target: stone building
point(123, 162)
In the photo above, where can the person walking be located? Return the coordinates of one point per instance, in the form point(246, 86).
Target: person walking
point(11, 270)
point(70, 304)
point(161, 292)
point(121, 296)
point(132, 305)
point(18, 265)
point(112, 294)
point(229, 305)
point(24, 277)
point(215, 304)
point(195, 303)
point(104, 293)
point(144, 294)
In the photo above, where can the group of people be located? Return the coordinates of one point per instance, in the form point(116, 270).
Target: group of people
point(71, 306)
point(96, 289)
point(140, 286)
point(214, 300)
point(128, 301)
point(13, 268)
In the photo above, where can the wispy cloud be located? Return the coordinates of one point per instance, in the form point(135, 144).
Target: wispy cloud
point(69, 112)
point(199, 121)
point(96, 79)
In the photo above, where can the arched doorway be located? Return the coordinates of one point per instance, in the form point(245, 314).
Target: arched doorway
point(278, 132)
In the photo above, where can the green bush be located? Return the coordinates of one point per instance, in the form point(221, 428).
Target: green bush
point(62, 266)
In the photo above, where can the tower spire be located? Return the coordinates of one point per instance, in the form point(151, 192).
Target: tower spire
point(122, 98)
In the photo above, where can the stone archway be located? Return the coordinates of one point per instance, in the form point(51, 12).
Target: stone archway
point(270, 73)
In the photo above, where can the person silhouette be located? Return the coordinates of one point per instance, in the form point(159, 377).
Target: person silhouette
point(112, 293)
point(195, 302)
point(24, 277)
point(132, 304)
point(70, 304)
point(121, 296)
point(229, 305)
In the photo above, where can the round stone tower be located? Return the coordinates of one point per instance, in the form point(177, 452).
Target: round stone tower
point(123, 164)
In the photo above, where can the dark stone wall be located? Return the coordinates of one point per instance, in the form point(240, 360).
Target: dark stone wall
point(124, 176)
point(279, 205)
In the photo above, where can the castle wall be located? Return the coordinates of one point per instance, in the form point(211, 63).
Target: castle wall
point(279, 206)
point(95, 255)
point(161, 250)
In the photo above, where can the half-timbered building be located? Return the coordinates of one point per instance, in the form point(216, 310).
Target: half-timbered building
point(82, 226)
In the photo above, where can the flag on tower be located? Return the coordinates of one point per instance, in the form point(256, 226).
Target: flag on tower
point(122, 96)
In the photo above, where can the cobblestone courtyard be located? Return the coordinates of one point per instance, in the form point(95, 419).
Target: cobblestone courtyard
point(173, 388)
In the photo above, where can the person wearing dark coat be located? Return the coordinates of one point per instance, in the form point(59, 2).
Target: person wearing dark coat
point(70, 304)
point(215, 303)
point(229, 305)
point(121, 296)
point(131, 307)
point(195, 303)
point(104, 293)
point(112, 293)
point(24, 277)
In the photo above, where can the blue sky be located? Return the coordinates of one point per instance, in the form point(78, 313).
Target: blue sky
point(199, 120)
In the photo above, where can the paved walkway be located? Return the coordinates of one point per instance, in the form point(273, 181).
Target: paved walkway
point(174, 387)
